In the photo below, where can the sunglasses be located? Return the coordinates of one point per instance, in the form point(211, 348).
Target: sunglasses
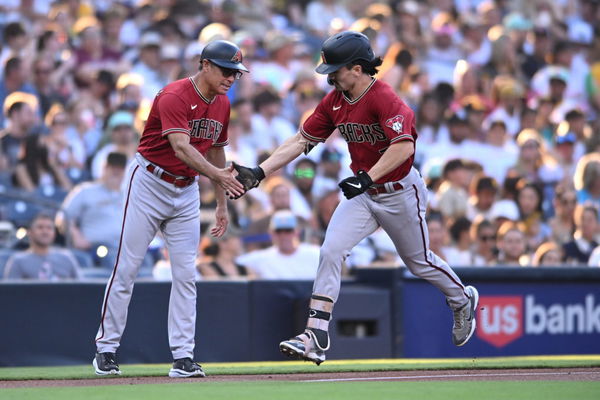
point(228, 72)
point(284, 230)
point(304, 173)
point(487, 238)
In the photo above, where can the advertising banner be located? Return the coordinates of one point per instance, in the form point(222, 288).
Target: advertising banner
point(513, 318)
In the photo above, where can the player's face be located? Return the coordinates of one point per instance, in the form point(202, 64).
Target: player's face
point(343, 79)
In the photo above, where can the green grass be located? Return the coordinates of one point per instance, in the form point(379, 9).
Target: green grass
point(484, 390)
point(289, 367)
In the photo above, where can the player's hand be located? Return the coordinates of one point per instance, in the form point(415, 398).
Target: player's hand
point(355, 185)
point(248, 177)
point(229, 182)
point(221, 222)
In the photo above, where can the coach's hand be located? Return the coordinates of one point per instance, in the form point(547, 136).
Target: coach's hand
point(248, 177)
point(355, 185)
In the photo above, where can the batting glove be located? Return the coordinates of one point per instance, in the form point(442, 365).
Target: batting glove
point(355, 185)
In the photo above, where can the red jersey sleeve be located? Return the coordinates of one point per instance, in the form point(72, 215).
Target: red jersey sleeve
point(173, 114)
point(319, 126)
point(397, 120)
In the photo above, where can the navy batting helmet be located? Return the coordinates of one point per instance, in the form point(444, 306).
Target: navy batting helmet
point(224, 54)
point(342, 49)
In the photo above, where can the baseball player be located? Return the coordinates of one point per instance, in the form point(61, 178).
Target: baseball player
point(385, 191)
point(184, 135)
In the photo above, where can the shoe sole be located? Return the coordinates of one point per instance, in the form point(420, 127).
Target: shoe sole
point(179, 373)
point(104, 373)
point(475, 302)
point(293, 352)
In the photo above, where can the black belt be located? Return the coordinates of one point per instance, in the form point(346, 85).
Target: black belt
point(178, 181)
point(383, 188)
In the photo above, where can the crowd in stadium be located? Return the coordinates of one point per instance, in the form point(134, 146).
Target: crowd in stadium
point(506, 96)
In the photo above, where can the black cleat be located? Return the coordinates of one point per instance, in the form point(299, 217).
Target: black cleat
point(186, 368)
point(106, 364)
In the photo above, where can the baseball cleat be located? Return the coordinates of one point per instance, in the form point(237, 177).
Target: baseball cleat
point(303, 347)
point(106, 364)
point(186, 368)
point(464, 318)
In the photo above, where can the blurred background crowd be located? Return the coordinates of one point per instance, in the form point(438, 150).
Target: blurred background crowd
point(506, 95)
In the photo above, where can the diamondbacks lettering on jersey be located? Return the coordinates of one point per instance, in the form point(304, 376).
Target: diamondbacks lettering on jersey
point(359, 133)
point(205, 128)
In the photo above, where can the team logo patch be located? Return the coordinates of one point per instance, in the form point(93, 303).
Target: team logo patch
point(395, 123)
point(237, 57)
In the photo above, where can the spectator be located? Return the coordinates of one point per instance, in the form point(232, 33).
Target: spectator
point(84, 131)
point(302, 198)
point(14, 38)
point(70, 156)
point(21, 121)
point(91, 213)
point(438, 234)
point(483, 234)
point(511, 245)
point(548, 254)
point(507, 94)
point(123, 139)
point(562, 224)
point(460, 252)
point(39, 167)
point(328, 172)
point(452, 197)
point(442, 56)
point(280, 70)
point(257, 232)
point(46, 83)
point(269, 129)
point(288, 258)
point(534, 163)
point(14, 80)
point(484, 190)
point(148, 64)
point(321, 13)
point(41, 261)
point(529, 201)
point(587, 179)
point(578, 250)
point(220, 255)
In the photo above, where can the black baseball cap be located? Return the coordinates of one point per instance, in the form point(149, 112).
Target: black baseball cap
point(224, 54)
point(343, 48)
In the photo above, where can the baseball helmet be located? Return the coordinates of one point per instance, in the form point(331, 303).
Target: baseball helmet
point(224, 54)
point(343, 48)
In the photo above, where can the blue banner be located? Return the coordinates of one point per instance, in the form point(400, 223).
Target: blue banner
point(513, 318)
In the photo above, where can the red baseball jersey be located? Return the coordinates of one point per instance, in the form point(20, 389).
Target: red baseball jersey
point(180, 107)
point(370, 124)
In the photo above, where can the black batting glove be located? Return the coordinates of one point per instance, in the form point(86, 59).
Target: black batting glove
point(355, 185)
point(248, 177)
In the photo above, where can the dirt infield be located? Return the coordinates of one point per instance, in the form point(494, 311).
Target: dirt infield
point(555, 374)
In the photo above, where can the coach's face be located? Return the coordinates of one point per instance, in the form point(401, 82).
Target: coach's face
point(220, 79)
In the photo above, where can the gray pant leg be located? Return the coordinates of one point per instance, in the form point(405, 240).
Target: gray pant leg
point(402, 216)
point(139, 227)
point(351, 222)
point(182, 236)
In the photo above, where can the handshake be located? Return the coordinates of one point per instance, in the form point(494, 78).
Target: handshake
point(248, 177)
point(251, 177)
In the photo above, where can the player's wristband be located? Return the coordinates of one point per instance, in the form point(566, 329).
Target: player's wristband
point(259, 173)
